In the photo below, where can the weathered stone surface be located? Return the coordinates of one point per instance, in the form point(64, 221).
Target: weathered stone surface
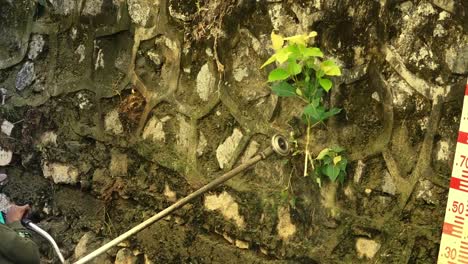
point(4, 202)
point(154, 130)
point(181, 11)
point(206, 82)
point(80, 51)
point(101, 180)
point(62, 7)
point(82, 247)
point(183, 138)
point(26, 76)
point(285, 228)
point(367, 248)
point(125, 256)
point(242, 244)
point(60, 173)
point(359, 171)
point(425, 191)
point(5, 156)
point(86, 244)
point(442, 151)
point(99, 64)
point(250, 152)
point(48, 138)
point(156, 58)
point(170, 194)
point(7, 127)
point(226, 204)
point(456, 58)
point(448, 5)
point(92, 8)
point(119, 163)
point(139, 11)
point(388, 185)
point(17, 18)
point(112, 122)
point(202, 144)
point(36, 46)
point(225, 151)
point(240, 73)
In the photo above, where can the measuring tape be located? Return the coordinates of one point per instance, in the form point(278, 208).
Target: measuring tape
point(454, 241)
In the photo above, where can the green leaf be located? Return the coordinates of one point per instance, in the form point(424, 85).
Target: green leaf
point(331, 113)
point(301, 39)
point(331, 171)
point(341, 177)
point(326, 84)
point(319, 73)
point(312, 52)
point(329, 68)
point(294, 68)
point(283, 89)
point(315, 102)
point(310, 63)
point(342, 164)
point(336, 159)
point(294, 51)
point(282, 55)
point(278, 75)
point(269, 61)
point(277, 41)
point(323, 153)
point(314, 113)
point(327, 159)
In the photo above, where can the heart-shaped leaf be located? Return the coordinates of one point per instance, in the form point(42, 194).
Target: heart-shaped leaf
point(331, 171)
point(283, 89)
point(326, 84)
point(329, 68)
point(323, 153)
point(277, 75)
point(313, 52)
point(294, 68)
point(277, 41)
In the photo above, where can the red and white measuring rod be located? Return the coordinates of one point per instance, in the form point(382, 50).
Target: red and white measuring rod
point(454, 242)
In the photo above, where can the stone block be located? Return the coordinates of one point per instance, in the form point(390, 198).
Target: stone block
point(60, 173)
point(26, 76)
point(5, 156)
point(225, 151)
point(206, 82)
point(366, 248)
point(228, 207)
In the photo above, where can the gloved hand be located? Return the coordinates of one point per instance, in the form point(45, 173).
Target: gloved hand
point(16, 213)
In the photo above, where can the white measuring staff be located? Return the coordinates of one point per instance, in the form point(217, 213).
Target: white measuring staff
point(454, 242)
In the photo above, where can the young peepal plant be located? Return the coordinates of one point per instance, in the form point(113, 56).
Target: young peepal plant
point(302, 73)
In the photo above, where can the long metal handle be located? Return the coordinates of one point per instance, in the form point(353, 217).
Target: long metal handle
point(176, 206)
point(46, 235)
point(278, 144)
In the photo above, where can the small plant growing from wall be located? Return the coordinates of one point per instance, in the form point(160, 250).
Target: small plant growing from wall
point(302, 73)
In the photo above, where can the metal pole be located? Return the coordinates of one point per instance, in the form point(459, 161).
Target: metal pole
point(28, 223)
point(280, 142)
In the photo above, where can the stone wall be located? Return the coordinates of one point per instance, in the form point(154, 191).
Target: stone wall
point(113, 110)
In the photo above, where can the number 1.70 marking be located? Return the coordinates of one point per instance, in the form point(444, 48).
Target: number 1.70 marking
point(464, 161)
